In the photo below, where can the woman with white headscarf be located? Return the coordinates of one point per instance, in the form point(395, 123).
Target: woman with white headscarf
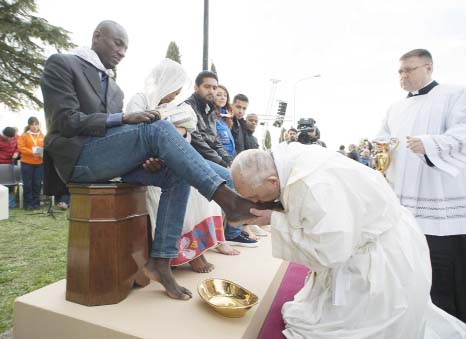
point(203, 226)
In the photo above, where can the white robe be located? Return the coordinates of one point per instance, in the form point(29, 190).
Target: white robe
point(370, 261)
point(435, 195)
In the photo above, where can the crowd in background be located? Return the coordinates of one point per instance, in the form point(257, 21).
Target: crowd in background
point(26, 151)
point(364, 152)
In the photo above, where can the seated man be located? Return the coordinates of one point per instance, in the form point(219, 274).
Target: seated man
point(89, 139)
point(371, 273)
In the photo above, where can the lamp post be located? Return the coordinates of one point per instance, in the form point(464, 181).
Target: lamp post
point(294, 92)
point(205, 49)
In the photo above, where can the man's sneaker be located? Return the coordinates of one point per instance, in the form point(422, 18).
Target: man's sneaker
point(258, 231)
point(243, 240)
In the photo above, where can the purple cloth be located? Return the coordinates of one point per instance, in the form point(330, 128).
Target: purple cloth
point(292, 282)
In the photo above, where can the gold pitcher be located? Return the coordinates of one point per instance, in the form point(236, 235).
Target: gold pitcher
point(382, 157)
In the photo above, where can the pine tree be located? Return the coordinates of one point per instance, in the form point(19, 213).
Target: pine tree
point(267, 141)
point(173, 52)
point(23, 40)
point(282, 135)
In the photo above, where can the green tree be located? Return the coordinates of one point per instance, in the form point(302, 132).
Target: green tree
point(213, 69)
point(267, 141)
point(23, 39)
point(173, 52)
point(282, 135)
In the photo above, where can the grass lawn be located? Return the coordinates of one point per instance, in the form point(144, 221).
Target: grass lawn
point(32, 255)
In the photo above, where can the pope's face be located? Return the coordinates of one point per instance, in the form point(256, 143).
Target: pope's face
point(414, 73)
point(268, 191)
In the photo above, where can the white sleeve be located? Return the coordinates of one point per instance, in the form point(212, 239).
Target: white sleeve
point(447, 151)
point(137, 103)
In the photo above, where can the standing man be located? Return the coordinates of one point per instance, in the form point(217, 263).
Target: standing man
point(250, 141)
point(89, 139)
point(428, 171)
point(204, 139)
point(239, 107)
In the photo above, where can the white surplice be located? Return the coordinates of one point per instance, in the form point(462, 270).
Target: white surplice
point(435, 195)
point(370, 261)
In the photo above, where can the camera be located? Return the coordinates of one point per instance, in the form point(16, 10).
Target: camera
point(307, 131)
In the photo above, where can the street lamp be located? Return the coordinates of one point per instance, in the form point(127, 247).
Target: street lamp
point(294, 92)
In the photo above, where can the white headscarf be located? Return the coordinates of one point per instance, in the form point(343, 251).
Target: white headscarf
point(167, 77)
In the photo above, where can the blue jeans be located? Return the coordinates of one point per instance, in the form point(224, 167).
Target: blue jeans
point(11, 197)
point(32, 184)
point(121, 153)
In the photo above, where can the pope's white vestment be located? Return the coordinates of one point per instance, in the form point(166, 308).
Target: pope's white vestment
point(370, 261)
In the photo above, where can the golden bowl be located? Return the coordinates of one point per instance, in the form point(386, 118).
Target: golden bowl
point(226, 297)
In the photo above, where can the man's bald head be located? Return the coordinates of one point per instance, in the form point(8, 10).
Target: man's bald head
point(110, 42)
point(255, 176)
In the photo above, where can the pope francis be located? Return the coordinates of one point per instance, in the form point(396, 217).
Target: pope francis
point(371, 272)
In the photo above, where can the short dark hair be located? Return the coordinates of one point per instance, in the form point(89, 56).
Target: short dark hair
point(205, 74)
point(419, 53)
point(9, 132)
point(293, 129)
point(342, 147)
point(241, 97)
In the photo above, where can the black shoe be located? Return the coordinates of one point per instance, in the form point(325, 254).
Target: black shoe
point(243, 240)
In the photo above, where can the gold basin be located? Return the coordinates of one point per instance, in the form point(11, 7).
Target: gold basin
point(226, 297)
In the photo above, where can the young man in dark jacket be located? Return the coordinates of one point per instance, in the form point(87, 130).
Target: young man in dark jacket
point(204, 139)
point(239, 107)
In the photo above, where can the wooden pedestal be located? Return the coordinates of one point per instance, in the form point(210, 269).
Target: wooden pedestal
point(108, 242)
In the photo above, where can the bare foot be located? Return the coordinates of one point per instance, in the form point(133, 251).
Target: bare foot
point(158, 269)
point(226, 249)
point(204, 259)
point(201, 265)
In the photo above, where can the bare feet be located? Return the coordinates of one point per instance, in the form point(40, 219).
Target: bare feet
point(158, 269)
point(226, 249)
point(201, 265)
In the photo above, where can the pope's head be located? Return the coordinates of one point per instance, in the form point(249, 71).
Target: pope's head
point(255, 176)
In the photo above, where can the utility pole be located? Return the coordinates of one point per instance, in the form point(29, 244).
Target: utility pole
point(205, 55)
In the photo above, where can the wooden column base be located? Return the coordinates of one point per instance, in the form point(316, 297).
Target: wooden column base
point(108, 242)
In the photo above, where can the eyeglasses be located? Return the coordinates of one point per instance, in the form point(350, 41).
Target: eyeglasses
point(408, 70)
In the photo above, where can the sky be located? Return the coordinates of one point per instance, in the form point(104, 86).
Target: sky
point(353, 45)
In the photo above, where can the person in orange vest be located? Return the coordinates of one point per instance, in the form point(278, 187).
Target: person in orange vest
point(31, 146)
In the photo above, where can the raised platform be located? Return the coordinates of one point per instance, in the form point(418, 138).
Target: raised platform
point(149, 313)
